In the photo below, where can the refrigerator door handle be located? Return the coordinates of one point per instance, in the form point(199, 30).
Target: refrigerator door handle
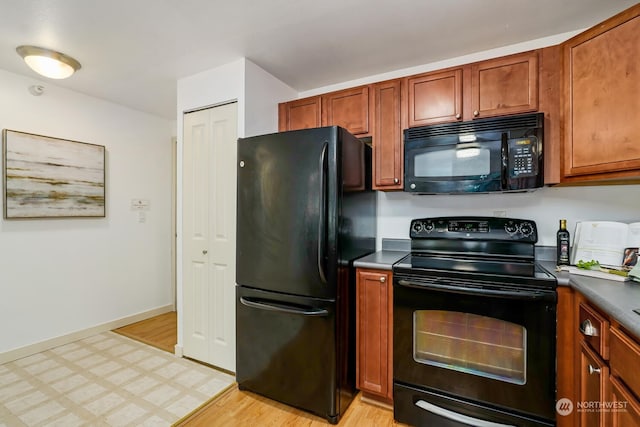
point(322, 216)
point(282, 307)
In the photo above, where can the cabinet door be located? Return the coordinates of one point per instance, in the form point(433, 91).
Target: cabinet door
point(627, 410)
point(625, 359)
point(549, 78)
point(602, 99)
point(374, 332)
point(347, 108)
point(506, 85)
point(435, 97)
point(387, 136)
point(299, 114)
point(594, 380)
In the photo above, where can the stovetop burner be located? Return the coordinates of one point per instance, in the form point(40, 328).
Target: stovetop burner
point(475, 248)
point(516, 274)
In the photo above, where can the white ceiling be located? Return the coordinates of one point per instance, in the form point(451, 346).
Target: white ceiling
point(133, 51)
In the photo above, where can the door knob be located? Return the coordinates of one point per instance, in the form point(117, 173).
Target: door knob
point(204, 252)
point(476, 113)
point(396, 180)
point(593, 370)
point(458, 116)
point(383, 279)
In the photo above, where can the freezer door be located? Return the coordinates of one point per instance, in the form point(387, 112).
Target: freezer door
point(286, 350)
point(286, 211)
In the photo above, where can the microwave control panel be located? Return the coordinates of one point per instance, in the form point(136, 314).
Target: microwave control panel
point(523, 157)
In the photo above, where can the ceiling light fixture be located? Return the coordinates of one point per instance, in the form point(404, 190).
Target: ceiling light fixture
point(47, 62)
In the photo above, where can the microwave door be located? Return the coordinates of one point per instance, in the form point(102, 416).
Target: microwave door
point(456, 168)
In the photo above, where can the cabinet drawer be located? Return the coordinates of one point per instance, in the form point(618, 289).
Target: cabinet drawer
point(625, 359)
point(594, 329)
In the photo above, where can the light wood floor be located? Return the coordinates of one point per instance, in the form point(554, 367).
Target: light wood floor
point(241, 408)
point(159, 331)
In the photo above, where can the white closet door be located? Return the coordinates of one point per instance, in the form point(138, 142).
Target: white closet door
point(209, 221)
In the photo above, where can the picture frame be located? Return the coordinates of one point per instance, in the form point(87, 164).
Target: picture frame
point(48, 177)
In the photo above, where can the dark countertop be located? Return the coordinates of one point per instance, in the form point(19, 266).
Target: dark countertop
point(381, 260)
point(614, 298)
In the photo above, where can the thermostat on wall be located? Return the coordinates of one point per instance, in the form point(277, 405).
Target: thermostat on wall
point(139, 205)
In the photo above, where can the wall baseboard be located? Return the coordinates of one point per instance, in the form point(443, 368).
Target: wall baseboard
point(19, 353)
point(178, 350)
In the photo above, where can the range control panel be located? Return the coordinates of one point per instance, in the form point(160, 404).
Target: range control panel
point(474, 228)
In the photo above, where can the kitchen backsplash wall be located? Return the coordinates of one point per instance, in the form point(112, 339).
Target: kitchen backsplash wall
point(545, 206)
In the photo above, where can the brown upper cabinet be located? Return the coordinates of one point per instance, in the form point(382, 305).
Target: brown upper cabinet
point(348, 108)
point(435, 97)
point(601, 85)
point(389, 120)
point(588, 88)
point(300, 114)
point(506, 85)
point(495, 87)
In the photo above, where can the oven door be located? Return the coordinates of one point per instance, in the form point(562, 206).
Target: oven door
point(478, 342)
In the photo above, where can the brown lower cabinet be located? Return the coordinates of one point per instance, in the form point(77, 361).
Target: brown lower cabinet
point(607, 374)
point(374, 333)
point(594, 383)
point(628, 415)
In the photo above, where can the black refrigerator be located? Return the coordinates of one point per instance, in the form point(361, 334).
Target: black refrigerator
point(305, 211)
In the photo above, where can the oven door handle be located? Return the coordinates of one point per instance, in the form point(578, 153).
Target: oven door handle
point(503, 293)
point(454, 416)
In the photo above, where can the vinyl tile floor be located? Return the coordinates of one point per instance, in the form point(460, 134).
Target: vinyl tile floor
point(104, 380)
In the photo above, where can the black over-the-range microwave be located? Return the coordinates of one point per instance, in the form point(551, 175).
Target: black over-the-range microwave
point(478, 156)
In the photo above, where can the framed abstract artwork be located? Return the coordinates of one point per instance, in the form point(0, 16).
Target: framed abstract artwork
point(46, 177)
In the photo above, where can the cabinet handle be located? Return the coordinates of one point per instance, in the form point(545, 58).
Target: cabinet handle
point(458, 116)
point(593, 370)
point(587, 329)
point(476, 113)
point(396, 180)
point(204, 252)
point(383, 279)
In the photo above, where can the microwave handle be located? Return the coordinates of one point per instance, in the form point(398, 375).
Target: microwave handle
point(504, 175)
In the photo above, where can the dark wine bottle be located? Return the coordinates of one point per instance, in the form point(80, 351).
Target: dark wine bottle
point(563, 249)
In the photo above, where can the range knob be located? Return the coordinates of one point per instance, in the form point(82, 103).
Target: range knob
point(526, 229)
point(429, 226)
point(511, 227)
point(417, 227)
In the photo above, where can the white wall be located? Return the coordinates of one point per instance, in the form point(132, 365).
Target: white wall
point(59, 276)
point(546, 206)
point(257, 93)
point(263, 92)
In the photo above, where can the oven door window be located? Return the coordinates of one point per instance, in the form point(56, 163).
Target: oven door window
point(470, 343)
